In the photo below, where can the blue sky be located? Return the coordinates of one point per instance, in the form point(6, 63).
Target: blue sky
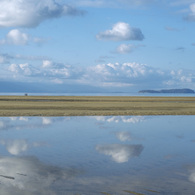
point(96, 45)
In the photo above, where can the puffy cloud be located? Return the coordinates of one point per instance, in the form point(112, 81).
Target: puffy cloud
point(56, 70)
point(121, 32)
point(47, 64)
point(24, 69)
point(121, 75)
point(30, 13)
point(16, 37)
point(181, 78)
point(120, 153)
point(125, 48)
point(48, 70)
point(191, 16)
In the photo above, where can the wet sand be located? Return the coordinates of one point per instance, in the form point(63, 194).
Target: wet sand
point(95, 105)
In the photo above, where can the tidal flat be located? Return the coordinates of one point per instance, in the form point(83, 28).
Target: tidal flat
point(95, 105)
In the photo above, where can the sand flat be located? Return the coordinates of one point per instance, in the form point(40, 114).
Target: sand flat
point(95, 105)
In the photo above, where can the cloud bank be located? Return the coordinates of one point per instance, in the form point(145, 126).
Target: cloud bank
point(30, 13)
point(124, 76)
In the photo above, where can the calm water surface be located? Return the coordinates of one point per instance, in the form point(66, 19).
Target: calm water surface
point(118, 155)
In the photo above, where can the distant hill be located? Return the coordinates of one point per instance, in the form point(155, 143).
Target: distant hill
point(168, 91)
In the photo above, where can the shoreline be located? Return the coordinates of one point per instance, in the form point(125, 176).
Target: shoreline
point(95, 105)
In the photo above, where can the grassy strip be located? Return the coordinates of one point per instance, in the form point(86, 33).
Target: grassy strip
point(95, 105)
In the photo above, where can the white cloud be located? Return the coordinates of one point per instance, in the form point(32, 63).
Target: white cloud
point(120, 153)
point(30, 13)
point(121, 32)
point(16, 37)
point(48, 70)
point(126, 73)
point(22, 69)
point(56, 70)
point(191, 15)
point(127, 76)
point(181, 78)
point(47, 64)
point(125, 48)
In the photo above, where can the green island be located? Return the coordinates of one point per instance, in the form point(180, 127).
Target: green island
point(95, 105)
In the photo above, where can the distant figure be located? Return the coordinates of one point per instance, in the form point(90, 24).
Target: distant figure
point(26, 94)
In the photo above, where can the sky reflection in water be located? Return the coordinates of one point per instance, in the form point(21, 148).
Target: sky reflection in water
point(90, 155)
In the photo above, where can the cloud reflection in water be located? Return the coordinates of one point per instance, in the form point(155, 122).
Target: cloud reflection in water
point(17, 147)
point(120, 153)
point(27, 175)
point(123, 136)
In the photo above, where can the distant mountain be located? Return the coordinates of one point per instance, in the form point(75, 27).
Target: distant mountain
point(168, 91)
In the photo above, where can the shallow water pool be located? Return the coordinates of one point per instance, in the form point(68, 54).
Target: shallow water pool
point(117, 155)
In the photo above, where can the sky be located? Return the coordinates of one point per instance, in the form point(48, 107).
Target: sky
point(96, 45)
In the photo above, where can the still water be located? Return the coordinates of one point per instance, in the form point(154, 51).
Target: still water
point(118, 155)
